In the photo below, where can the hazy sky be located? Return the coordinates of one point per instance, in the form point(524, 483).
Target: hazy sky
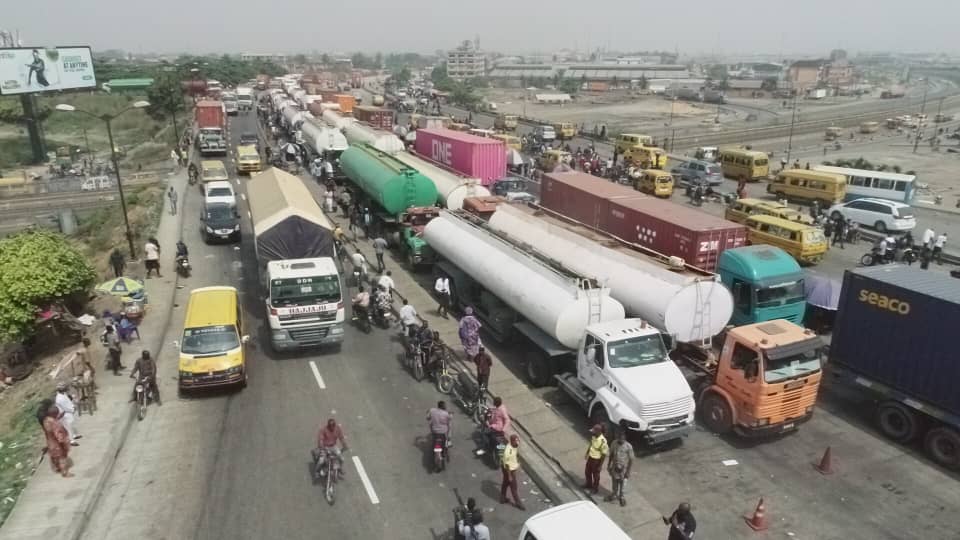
point(693, 26)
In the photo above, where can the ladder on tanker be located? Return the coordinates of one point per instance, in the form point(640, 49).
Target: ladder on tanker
point(594, 303)
point(701, 314)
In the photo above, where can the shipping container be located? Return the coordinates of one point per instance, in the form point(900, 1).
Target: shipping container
point(329, 96)
point(598, 86)
point(346, 102)
point(477, 157)
point(672, 229)
point(209, 114)
point(377, 117)
point(582, 197)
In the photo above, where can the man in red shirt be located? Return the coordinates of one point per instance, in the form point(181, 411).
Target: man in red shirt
point(484, 363)
point(327, 440)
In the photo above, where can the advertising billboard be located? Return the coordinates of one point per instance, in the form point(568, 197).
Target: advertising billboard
point(41, 69)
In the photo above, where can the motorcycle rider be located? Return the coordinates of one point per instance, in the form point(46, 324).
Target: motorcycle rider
point(498, 423)
point(327, 440)
point(441, 422)
point(147, 369)
point(361, 303)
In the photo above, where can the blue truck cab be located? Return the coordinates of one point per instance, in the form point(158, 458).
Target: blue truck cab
point(766, 284)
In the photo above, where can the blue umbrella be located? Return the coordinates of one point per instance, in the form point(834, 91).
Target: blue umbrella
point(821, 291)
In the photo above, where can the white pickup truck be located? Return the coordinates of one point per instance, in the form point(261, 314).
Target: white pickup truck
point(580, 519)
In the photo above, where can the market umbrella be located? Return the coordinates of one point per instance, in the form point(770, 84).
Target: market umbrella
point(821, 291)
point(514, 158)
point(121, 286)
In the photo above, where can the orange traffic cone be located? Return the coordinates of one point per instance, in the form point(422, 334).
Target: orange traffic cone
point(758, 521)
point(826, 463)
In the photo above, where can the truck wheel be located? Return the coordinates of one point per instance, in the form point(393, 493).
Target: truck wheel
point(943, 445)
point(716, 413)
point(897, 422)
point(600, 417)
point(411, 263)
point(539, 370)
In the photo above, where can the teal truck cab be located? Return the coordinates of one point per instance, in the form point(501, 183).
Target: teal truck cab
point(766, 283)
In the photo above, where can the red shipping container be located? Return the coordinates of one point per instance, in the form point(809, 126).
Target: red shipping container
point(582, 197)
point(209, 114)
point(672, 229)
point(377, 117)
point(469, 155)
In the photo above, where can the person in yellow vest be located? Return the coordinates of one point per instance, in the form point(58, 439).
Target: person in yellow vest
point(595, 456)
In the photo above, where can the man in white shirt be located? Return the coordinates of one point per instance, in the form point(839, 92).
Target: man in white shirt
point(359, 265)
point(152, 252)
point(409, 318)
point(442, 286)
point(65, 403)
point(938, 247)
point(928, 238)
point(386, 282)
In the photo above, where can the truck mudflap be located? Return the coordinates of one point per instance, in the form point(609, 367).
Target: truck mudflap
point(661, 436)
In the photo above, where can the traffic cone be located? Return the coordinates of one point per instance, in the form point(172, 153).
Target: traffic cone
point(758, 521)
point(826, 463)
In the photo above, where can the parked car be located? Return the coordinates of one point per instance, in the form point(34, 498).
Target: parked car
point(881, 214)
point(220, 191)
point(698, 171)
point(545, 133)
point(249, 138)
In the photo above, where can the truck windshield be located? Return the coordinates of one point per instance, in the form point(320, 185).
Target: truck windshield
point(795, 365)
point(209, 340)
point(638, 351)
point(778, 295)
point(304, 291)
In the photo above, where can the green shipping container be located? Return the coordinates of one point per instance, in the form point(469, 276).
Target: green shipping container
point(387, 180)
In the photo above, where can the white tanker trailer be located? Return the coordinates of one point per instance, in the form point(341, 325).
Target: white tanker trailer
point(358, 133)
point(689, 305)
point(321, 138)
point(617, 369)
point(452, 189)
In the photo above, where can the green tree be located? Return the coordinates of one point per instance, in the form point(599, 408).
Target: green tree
point(325, 59)
point(165, 96)
point(300, 59)
point(402, 76)
point(643, 83)
point(717, 71)
point(377, 61)
point(37, 267)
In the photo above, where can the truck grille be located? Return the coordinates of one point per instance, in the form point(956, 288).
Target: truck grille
point(309, 334)
point(668, 411)
point(300, 318)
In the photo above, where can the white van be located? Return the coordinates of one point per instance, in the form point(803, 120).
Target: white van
point(95, 183)
point(580, 519)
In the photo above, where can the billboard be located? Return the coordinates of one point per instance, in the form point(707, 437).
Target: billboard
point(41, 69)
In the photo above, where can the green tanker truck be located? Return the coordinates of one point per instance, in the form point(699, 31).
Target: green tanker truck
point(400, 198)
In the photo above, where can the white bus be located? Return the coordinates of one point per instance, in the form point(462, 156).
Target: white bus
point(876, 184)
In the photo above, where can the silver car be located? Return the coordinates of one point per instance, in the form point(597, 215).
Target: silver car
point(698, 171)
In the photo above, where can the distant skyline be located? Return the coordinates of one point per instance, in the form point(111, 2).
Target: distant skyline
point(694, 27)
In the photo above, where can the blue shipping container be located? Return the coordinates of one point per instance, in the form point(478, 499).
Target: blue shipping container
point(898, 325)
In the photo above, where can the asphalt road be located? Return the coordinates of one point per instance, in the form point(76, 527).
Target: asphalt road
point(235, 465)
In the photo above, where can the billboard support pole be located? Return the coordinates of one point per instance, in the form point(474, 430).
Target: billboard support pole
point(37, 144)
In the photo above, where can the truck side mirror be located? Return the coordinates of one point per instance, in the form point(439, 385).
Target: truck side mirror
point(669, 341)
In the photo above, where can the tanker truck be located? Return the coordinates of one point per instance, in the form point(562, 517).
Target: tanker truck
point(293, 242)
point(693, 307)
point(323, 141)
point(452, 188)
point(617, 369)
point(401, 200)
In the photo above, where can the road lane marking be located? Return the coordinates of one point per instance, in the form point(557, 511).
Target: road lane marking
point(316, 375)
point(366, 481)
point(243, 196)
point(237, 181)
point(249, 215)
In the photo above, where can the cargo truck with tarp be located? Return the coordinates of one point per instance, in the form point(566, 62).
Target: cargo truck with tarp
point(294, 246)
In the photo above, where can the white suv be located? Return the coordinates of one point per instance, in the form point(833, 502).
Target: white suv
point(881, 214)
point(220, 191)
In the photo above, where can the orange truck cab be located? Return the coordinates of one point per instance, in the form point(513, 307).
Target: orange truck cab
point(483, 206)
point(765, 381)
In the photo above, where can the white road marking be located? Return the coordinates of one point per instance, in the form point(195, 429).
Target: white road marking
point(249, 216)
point(243, 196)
point(366, 481)
point(316, 375)
point(237, 181)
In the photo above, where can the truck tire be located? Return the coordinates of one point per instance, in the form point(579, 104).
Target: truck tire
point(716, 413)
point(599, 417)
point(539, 370)
point(943, 446)
point(897, 421)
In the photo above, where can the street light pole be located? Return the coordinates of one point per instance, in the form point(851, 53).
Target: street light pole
point(923, 105)
point(793, 121)
point(123, 201)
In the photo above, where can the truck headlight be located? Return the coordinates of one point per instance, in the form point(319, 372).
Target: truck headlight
point(185, 375)
point(761, 422)
point(279, 335)
point(336, 330)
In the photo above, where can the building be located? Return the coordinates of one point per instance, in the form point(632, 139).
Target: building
point(130, 86)
point(264, 57)
point(806, 74)
point(838, 73)
point(466, 61)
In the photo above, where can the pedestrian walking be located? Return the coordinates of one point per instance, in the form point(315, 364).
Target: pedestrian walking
point(367, 222)
point(379, 247)
point(68, 410)
point(839, 232)
point(469, 333)
point(681, 522)
point(595, 455)
point(928, 238)
point(925, 256)
point(386, 283)
point(484, 362)
point(117, 262)
point(58, 442)
point(510, 464)
point(442, 288)
point(172, 195)
point(938, 245)
point(113, 350)
point(621, 461)
point(152, 251)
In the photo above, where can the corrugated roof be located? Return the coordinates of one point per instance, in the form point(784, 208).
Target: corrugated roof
point(933, 284)
point(117, 83)
point(275, 195)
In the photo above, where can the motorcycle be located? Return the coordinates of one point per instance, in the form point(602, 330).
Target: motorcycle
point(874, 257)
point(415, 357)
point(469, 397)
point(438, 361)
point(493, 442)
point(361, 317)
point(380, 311)
point(441, 455)
point(327, 467)
point(183, 266)
point(144, 395)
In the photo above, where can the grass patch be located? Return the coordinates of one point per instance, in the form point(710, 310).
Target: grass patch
point(16, 150)
point(103, 230)
point(20, 443)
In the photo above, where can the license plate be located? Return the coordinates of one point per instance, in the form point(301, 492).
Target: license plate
point(787, 426)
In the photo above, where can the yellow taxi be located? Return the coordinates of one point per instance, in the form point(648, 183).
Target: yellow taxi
point(213, 343)
point(655, 182)
point(646, 157)
point(248, 160)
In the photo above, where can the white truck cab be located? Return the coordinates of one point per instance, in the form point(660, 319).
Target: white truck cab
point(580, 519)
point(304, 303)
point(625, 376)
